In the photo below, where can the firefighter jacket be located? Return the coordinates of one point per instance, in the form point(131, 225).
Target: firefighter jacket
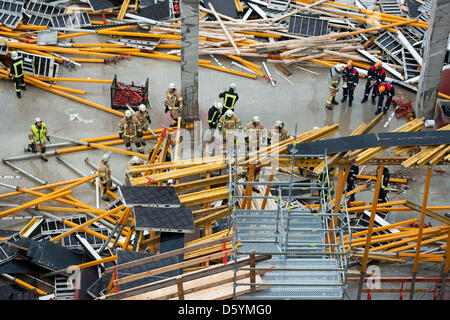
point(130, 128)
point(104, 172)
point(174, 100)
point(143, 118)
point(254, 132)
point(334, 75)
point(229, 125)
point(277, 135)
point(390, 91)
point(16, 69)
point(229, 99)
point(130, 174)
point(38, 135)
point(377, 74)
point(351, 76)
point(214, 115)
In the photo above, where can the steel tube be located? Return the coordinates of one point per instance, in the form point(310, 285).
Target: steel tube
point(29, 156)
point(26, 173)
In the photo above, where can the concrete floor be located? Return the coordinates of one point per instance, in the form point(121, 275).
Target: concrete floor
point(301, 105)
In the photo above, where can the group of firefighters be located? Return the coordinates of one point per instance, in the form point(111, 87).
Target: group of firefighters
point(221, 117)
point(376, 82)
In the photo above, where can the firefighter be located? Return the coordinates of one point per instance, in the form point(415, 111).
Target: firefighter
point(254, 133)
point(277, 133)
point(135, 161)
point(351, 179)
point(323, 178)
point(131, 132)
point(16, 73)
point(228, 124)
point(214, 114)
point(382, 196)
point(350, 77)
point(38, 134)
point(173, 103)
point(104, 177)
point(230, 97)
point(256, 177)
point(375, 76)
point(144, 118)
point(334, 77)
point(385, 89)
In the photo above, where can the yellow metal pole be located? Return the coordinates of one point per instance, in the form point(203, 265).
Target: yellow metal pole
point(55, 194)
point(419, 238)
point(370, 229)
point(87, 223)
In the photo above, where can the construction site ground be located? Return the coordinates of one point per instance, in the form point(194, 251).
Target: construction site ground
point(302, 105)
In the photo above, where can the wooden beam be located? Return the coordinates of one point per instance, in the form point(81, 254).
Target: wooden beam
point(224, 28)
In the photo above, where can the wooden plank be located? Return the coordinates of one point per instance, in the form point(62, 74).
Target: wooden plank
point(172, 267)
point(223, 292)
point(224, 28)
point(283, 69)
point(428, 212)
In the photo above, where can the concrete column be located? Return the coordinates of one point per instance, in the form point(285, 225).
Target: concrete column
point(433, 59)
point(189, 59)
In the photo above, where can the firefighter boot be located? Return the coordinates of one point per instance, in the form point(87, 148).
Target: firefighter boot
point(378, 111)
point(334, 102)
point(373, 100)
point(18, 94)
point(385, 110)
point(364, 99)
point(344, 98)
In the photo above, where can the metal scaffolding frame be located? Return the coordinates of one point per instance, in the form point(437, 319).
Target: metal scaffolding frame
point(308, 258)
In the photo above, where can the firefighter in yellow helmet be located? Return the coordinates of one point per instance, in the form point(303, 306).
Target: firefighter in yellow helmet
point(38, 134)
point(173, 103)
point(104, 176)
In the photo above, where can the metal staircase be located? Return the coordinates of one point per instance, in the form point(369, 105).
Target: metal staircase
point(306, 259)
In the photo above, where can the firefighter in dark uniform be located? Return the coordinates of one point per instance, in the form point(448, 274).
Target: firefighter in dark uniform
point(214, 114)
point(323, 178)
point(230, 97)
point(382, 196)
point(375, 76)
point(351, 179)
point(16, 73)
point(350, 78)
point(385, 89)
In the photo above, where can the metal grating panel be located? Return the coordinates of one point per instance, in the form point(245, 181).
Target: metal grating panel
point(10, 20)
point(164, 219)
point(390, 7)
point(71, 20)
point(149, 196)
point(307, 26)
point(39, 65)
point(279, 5)
point(390, 45)
point(42, 9)
point(11, 6)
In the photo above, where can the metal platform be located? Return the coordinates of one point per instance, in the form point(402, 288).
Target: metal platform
point(164, 219)
point(149, 196)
